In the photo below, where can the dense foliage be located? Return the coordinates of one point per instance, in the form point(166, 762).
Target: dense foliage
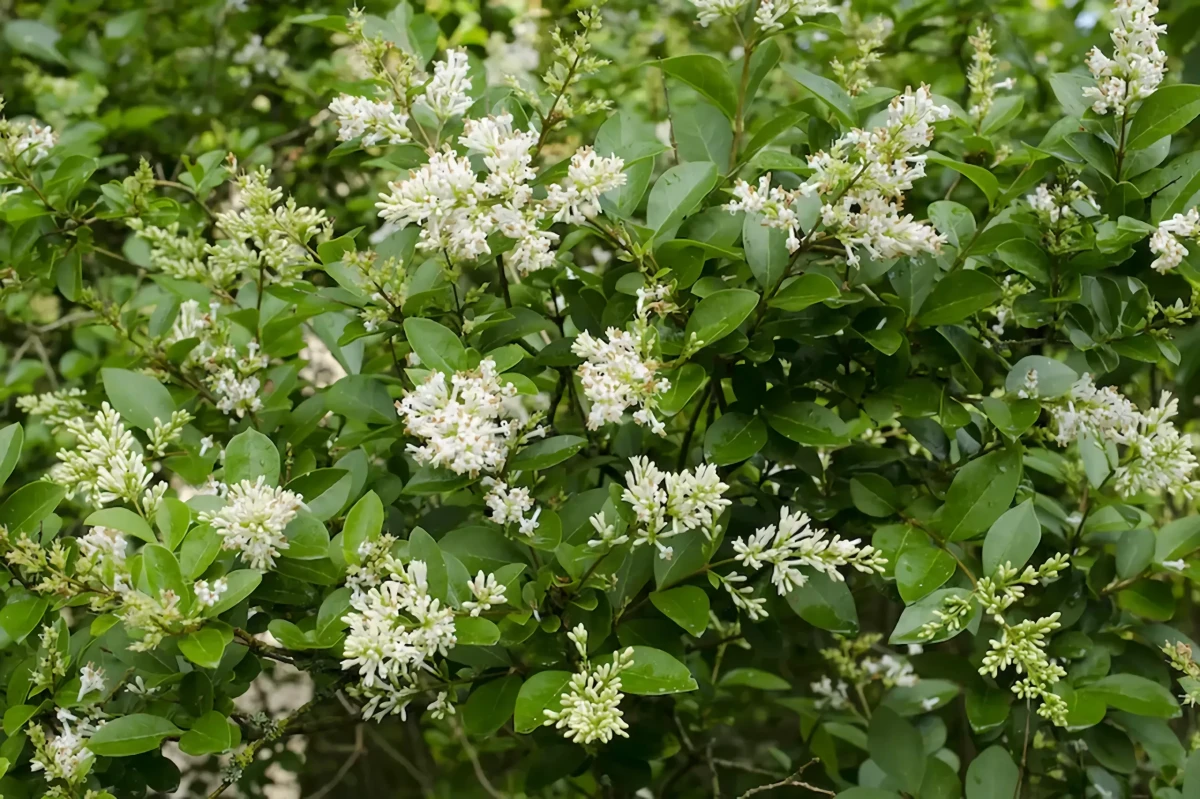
point(702, 398)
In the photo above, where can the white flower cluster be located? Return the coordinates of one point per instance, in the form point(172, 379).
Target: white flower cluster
point(458, 212)
point(231, 374)
point(508, 505)
point(487, 592)
point(56, 407)
point(209, 594)
point(102, 558)
point(256, 58)
point(620, 373)
point(773, 204)
point(1055, 205)
point(1023, 645)
point(1159, 459)
point(374, 121)
point(794, 543)
point(1165, 241)
point(770, 12)
point(466, 427)
point(396, 629)
point(861, 181)
point(591, 706)
point(106, 464)
point(831, 695)
point(253, 520)
point(666, 504)
point(90, 679)
point(1137, 66)
point(26, 142)
point(891, 671)
point(1103, 413)
point(981, 75)
point(446, 94)
point(64, 756)
point(866, 38)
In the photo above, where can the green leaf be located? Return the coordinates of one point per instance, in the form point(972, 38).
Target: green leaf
point(925, 610)
point(1178, 538)
point(954, 220)
point(685, 382)
point(707, 75)
point(896, 747)
point(241, 585)
point(1068, 88)
point(824, 602)
point(766, 251)
point(11, 439)
point(702, 133)
point(1012, 538)
point(34, 38)
point(677, 193)
point(325, 491)
point(172, 519)
point(124, 520)
point(1135, 550)
point(421, 546)
point(958, 296)
point(1054, 378)
point(364, 523)
point(922, 570)
point(655, 673)
point(754, 678)
point(803, 291)
point(1012, 416)
point(827, 92)
point(25, 509)
point(992, 775)
point(809, 423)
point(162, 572)
point(491, 705)
point(140, 399)
point(718, 315)
point(433, 480)
point(542, 691)
point(1134, 694)
point(686, 605)
point(733, 438)
point(436, 345)
point(475, 631)
point(981, 177)
point(363, 398)
point(131, 735)
point(211, 734)
point(1164, 113)
point(1004, 110)
point(546, 453)
point(19, 618)
point(205, 646)
point(250, 455)
point(873, 495)
point(1026, 257)
point(981, 491)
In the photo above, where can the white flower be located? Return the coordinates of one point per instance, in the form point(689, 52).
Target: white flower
point(619, 374)
point(793, 544)
point(466, 426)
point(1162, 457)
point(516, 60)
point(64, 756)
point(1177, 565)
point(1100, 412)
point(106, 464)
point(862, 179)
point(588, 176)
point(1165, 241)
point(772, 203)
point(443, 197)
point(1137, 65)
point(374, 120)
point(209, 595)
point(832, 696)
point(591, 705)
point(607, 534)
point(441, 707)
point(981, 75)
point(487, 592)
point(253, 520)
point(506, 153)
point(770, 12)
point(90, 679)
point(666, 504)
point(711, 11)
point(446, 93)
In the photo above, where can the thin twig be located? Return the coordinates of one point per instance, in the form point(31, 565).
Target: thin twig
point(358, 751)
point(793, 781)
point(473, 756)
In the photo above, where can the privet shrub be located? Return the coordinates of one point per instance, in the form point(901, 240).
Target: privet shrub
point(695, 399)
